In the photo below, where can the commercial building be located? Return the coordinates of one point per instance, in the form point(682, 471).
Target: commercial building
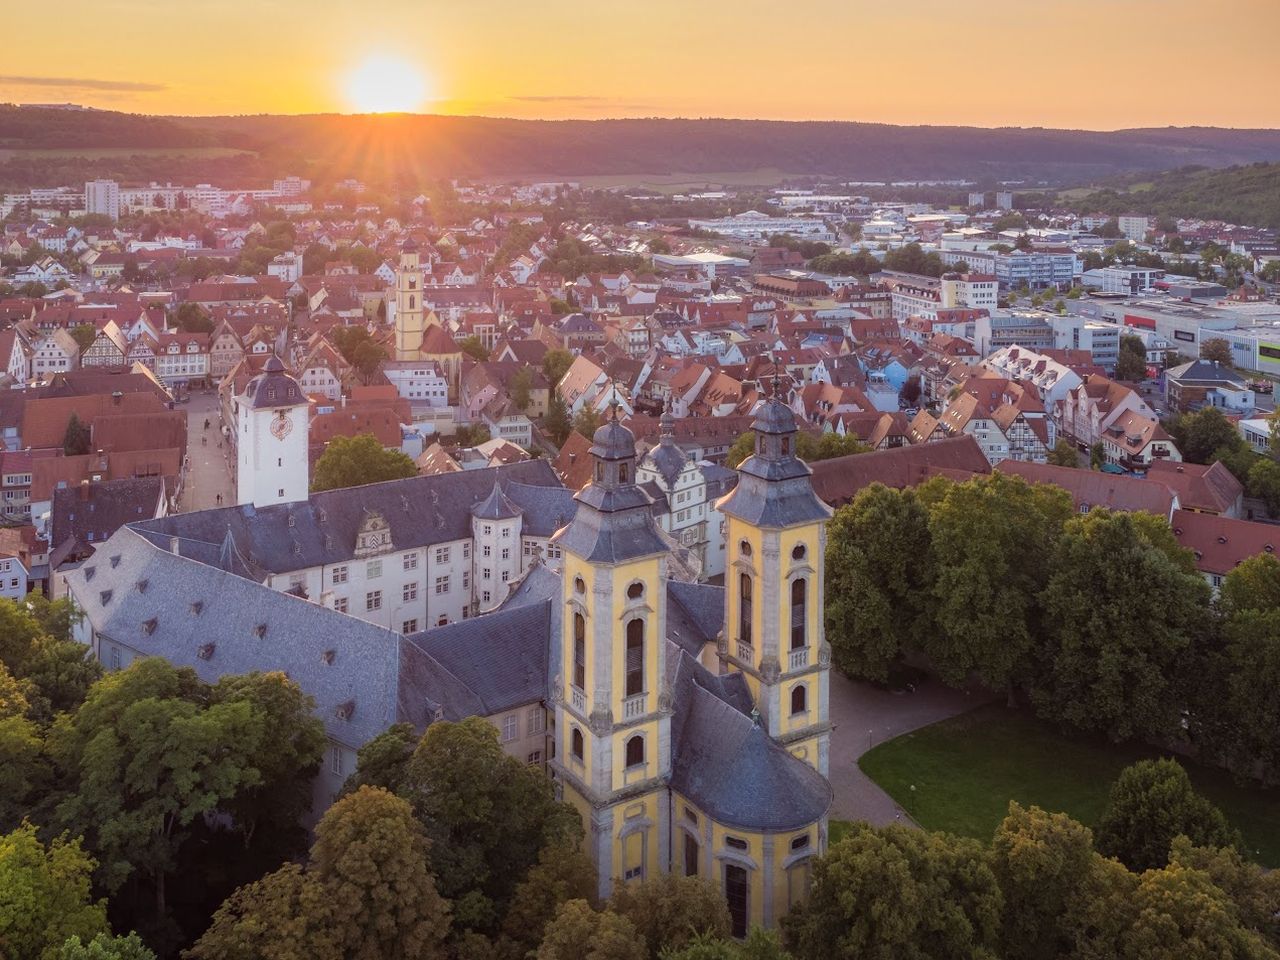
point(1122, 279)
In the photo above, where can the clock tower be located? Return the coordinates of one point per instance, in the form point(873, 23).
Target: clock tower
point(271, 422)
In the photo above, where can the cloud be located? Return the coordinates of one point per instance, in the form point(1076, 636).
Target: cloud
point(552, 98)
point(83, 83)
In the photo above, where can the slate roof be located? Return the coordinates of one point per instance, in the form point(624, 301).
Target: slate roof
point(162, 604)
point(273, 387)
point(695, 614)
point(726, 763)
point(420, 511)
point(92, 512)
point(496, 506)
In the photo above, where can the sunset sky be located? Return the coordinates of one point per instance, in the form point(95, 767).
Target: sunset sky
point(1098, 64)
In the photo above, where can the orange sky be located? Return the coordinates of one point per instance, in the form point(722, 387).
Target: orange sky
point(1098, 64)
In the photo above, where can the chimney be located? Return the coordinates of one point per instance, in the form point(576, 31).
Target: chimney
point(84, 490)
point(117, 397)
point(173, 546)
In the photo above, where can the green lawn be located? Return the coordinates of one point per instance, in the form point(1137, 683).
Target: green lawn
point(959, 776)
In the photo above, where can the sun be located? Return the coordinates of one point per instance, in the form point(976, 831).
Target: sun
point(385, 84)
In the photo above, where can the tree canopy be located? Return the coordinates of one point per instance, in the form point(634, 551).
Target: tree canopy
point(355, 461)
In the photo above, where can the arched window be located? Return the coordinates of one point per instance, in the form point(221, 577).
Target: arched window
point(799, 699)
point(786, 446)
point(622, 473)
point(744, 549)
point(635, 657)
point(799, 605)
point(579, 651)
point(635, 591)
point(599, 470)
point(635, 751)
point(412, 301)
point(744, 608)
point(575, 743)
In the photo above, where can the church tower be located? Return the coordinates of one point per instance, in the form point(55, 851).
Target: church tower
point(613, 711)
point(272, 428)
point(775, 541)
point(409, 310)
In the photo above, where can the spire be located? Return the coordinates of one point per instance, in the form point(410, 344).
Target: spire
point(667, 423)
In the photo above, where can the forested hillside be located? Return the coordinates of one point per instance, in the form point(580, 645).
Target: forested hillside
point(1248, 195)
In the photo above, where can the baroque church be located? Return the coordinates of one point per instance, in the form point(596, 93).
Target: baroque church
point(688, 723)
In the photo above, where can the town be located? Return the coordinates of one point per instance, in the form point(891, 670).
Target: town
point(652, 558)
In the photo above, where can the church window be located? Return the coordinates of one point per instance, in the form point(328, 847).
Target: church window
point(744, 608)
point(744, 549)
point(635, 657)
point(622, 473)
point(579, 651)
point(691, 855)
point(510, 727)
point(737, 894)
point(798, 552)
point(575, 743)
point(579, 586)
point(799, 699)
point(801, 842)
point(636, 590)
point(786, 446)
point(635, 751)
point(799, 604)
point(412, 302)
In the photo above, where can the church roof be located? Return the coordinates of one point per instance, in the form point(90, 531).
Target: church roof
point(724, 760)
point(436, 341)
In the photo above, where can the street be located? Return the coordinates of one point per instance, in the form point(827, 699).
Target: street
point(208, 472)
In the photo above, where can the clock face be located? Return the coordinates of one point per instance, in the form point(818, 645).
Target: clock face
point(281, 426)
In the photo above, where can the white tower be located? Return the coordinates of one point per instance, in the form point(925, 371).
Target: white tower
point(271, 439)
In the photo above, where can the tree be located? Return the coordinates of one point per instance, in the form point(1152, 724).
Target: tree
point(22, 768)
point(77, 441)
point(1217, 350)
point(474, 348)
point(555, 363)
point(1202, 434)
point(894, 892)
point(1123, 608)
point(1024, 243)
point(45, 895)
point(54, 671)
point(1254, 584)
point(879, 574)
point(521, 388)
point(580, 933)
point(1050, 876)
point(1063, 454)
point(562, 873)
point(286, 915)
point(669, 910)
point(992, 538)
point(367, 358)
point(741, 449)
point(471, 434)
point(355, 461)
point(106, 947)
point(84, 334)
point(1264, 483)
point(587, 421)
point(154, 717)
point(383, 761)
point(860, 263)
point(557, 423)
point(287, 764)
point(1152, 802)
point(370, 858)
point(192, 318)
point(1246, 708)
point(659, 245)
point(488, 815)
point(1255, 892)
point(1097, 456)
point(1132, 362)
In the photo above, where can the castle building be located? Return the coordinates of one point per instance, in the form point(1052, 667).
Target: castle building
point(686, 722)
point(271, 424)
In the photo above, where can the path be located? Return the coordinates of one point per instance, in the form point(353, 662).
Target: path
point(208, 473)
point(863, 716)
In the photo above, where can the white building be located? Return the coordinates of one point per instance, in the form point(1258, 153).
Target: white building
point(272, 427)
point(1134, 227)
point(418, 381)
point(102, 196)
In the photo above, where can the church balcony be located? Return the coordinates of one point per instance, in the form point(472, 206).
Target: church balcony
point(633, 707)
point(579, 700)
point(746, 652)
point(798, 658)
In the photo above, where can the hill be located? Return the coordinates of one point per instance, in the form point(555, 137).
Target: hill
point(1248, 195)
point(410, 148)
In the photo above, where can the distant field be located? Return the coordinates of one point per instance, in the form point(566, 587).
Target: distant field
point(94, 153)
point(674, 182)
point(959, 776)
